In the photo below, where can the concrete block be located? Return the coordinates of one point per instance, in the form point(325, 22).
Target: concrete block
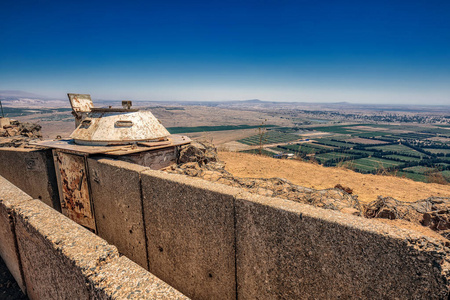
point(33, 172)
point(287, 250)
point(123, 279)
point(116, 194)
point(10, 197)
point(58, 256)
point(190, 234)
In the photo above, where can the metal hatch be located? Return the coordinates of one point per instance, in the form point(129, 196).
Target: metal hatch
point(81, 105)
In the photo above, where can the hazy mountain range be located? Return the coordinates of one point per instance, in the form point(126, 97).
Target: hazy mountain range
point(15, 98)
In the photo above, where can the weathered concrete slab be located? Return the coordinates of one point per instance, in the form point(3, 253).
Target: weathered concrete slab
point(123, 279)
point(10, 197)
point(116, 193)
point(190, 234)
point(286, 250)
point(32, 171)
point(58, 256)
point(62, 260)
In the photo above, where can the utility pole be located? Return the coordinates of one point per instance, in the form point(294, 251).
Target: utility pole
point(1, 107)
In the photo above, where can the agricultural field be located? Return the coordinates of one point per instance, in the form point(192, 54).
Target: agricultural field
point(363, 141)
point(419, 169)
point(305, 148)
point(411, 151)
point(402, 157)
point(334, 143)
point(176, 130)
point(446, 175)
point(413, 176)
point(270, 137)
point(401, 149)
point(445, 151)
point(373, 164)
point(332, 156)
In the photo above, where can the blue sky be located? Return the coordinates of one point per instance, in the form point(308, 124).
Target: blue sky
point(312, 51)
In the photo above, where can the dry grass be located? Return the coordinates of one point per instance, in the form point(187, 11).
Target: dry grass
point(366, 186)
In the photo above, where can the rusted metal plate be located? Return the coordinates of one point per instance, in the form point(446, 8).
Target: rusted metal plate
point(73, 188)
point(81, 102)
point(69, 146)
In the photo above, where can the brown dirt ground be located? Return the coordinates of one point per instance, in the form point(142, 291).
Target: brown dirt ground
point(366, 186)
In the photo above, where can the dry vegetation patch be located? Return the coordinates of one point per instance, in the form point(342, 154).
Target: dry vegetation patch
point(368, 187)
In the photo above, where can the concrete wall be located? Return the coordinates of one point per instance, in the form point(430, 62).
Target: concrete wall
point(190, 234)
point(32, 171)
point(58, 259)
point(282, 249)
point(10, 198)
point(212, 241)
point(287, 250)
point(116, 193)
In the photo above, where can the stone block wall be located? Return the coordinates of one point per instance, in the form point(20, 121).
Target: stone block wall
point(116, 193)
point(191, 234)
point(58, 259)
point(32, 171)
point(212, 241)
point(288, 250)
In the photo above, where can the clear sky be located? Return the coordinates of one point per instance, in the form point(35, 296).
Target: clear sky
point(357, 51)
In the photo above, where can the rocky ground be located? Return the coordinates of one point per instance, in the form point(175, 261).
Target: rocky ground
point(201, 160)
point(16, 134)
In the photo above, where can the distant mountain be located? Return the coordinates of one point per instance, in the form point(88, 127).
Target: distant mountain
point(13, 98)
point(252, 101)
point(15, 95)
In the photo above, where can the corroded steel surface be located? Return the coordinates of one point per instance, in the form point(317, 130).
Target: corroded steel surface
point(80, 102)
point(69, 146)
point(113, 128)
point(74, 189)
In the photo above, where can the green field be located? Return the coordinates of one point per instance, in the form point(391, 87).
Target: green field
point(401, 149)
point(445, 151)
point(403, 158)
point(175, 130)
point(339, 144)
point(413, 176)
point(359, 152)
point(17, 112)
point(270, 137)
point(372, 164)
point(419, 169)
point(324, 157)
point(306, 148)
point(446, 174)
point(371, 134)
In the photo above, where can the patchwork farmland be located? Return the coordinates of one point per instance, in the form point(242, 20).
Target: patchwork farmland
point(417, 152)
